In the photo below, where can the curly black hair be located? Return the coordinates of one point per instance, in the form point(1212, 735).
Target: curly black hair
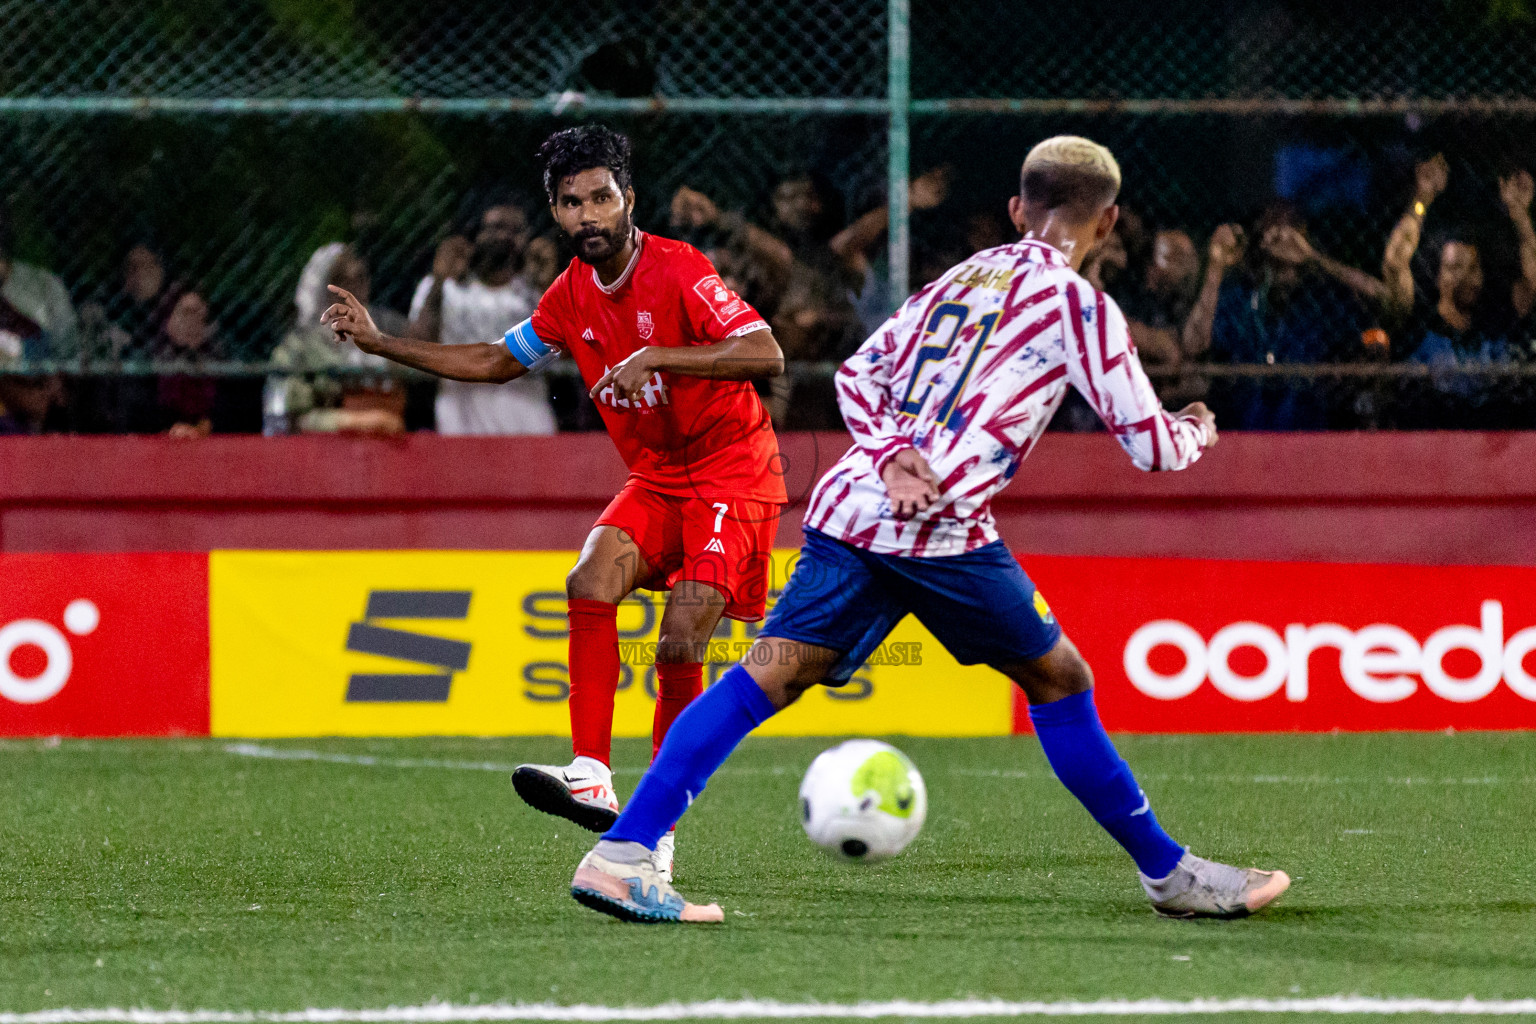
point(573, 150)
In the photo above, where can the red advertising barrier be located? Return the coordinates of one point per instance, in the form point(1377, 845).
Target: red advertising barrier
point(118, 645)
point(1214, 646)
point(104, 645)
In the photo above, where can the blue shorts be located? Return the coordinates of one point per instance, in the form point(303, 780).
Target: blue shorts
point(979, 605)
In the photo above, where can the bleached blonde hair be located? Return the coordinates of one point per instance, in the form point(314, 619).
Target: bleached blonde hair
point(1070, 172)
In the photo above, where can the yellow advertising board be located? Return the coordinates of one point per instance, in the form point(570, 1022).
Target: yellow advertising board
point(461, 643)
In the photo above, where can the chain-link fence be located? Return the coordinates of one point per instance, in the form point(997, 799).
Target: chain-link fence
point(230, 141)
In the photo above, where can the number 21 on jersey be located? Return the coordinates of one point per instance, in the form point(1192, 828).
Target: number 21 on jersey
point(948, 412)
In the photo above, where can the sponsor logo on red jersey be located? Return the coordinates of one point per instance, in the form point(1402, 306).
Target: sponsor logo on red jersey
point(724, 303)
point(653, 394)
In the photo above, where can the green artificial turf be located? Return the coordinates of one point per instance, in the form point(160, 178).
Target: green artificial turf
point(177, 874)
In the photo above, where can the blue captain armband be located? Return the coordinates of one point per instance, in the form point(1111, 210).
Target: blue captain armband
point(526, 347)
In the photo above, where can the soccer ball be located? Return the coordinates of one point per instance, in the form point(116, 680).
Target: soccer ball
point(863, 800)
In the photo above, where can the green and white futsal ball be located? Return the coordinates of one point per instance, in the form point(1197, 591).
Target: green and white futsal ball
point(863, 800)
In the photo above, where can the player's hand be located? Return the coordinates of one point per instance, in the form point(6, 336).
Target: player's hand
point(350, 319)
point(451, 261)
point(1430, 178)
point(629, 378)
point(911, 483)
point(1198, 411)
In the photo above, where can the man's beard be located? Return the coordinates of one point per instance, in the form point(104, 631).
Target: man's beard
point(492, 256)
point(595, 245)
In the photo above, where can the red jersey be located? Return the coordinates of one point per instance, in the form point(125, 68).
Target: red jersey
point(685, 435)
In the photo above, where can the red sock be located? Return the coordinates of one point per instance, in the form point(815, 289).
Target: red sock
point(594, 659)
point(676, 686)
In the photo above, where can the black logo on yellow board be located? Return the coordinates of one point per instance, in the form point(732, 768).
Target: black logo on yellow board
point(448, 656)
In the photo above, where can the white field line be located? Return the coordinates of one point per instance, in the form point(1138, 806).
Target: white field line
point(257, 750)
point(749, 1009)
point(367, 760)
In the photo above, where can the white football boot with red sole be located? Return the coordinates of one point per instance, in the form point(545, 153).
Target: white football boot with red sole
point(581, 791)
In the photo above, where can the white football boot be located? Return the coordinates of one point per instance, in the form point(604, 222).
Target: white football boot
point(581, 791)
point(1205, 888)
point(661, 857)
point(625, 885)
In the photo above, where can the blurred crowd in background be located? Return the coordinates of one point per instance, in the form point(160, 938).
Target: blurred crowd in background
point(1450, 303)
point(1326, 214)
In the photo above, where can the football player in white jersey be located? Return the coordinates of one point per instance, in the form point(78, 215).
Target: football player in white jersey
point(944, 402)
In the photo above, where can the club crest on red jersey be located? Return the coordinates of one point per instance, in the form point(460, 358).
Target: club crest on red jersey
point(724, 303)
point(644, 325)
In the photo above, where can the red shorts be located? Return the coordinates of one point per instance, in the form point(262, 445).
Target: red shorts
point(724, 543)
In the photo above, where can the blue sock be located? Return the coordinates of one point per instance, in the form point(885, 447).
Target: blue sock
point(697, 744)
point(1087, 763)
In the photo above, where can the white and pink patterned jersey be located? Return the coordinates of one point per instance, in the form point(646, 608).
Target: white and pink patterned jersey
point(969, 371)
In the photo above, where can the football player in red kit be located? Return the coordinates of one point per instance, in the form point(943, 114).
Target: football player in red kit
point(667, 351)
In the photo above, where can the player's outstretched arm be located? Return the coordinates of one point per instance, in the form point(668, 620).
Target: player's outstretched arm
point(749, 357)
point(490, 363)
